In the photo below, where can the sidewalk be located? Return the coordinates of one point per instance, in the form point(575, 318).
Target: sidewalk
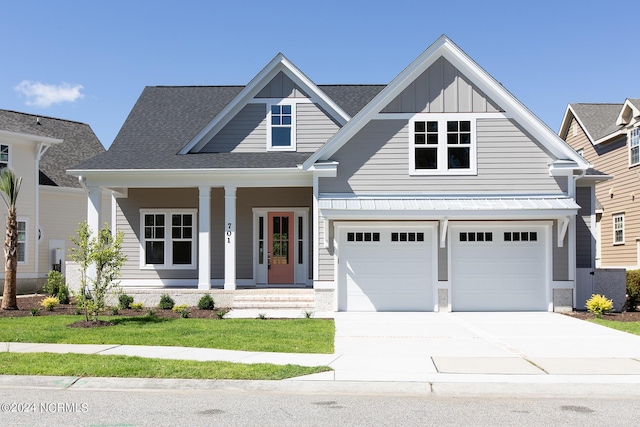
point(435, 348)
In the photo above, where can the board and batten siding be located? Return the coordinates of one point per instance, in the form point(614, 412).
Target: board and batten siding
point(281, 86)
point(585, 240)
point(442, 88)
point(376, 161)
point(617, 195)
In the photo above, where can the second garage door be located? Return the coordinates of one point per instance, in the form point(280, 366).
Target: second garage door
point(499, 268)
point(387, 268)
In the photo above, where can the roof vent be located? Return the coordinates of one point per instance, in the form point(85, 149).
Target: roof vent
point(38, 121)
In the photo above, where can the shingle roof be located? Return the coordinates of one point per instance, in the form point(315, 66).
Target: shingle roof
point(79, 143)
point(635, 102)
point(599, 120)
point(166, 118)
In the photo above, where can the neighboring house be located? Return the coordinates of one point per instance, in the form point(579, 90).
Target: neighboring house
point(608, 136)
point(50, 203)
point(438, 191)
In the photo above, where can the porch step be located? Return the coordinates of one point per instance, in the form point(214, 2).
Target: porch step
point(303, 299)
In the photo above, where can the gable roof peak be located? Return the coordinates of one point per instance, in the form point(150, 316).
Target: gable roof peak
point(278, 64)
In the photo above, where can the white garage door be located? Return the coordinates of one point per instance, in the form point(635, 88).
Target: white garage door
point(385, 268)
point(499, 268)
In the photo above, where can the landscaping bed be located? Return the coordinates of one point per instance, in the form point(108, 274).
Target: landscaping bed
point(625, 316)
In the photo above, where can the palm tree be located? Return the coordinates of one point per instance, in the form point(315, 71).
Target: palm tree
point(10, 187)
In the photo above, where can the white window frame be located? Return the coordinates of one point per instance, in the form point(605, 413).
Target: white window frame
point(442, 146)
point(614, 227)
point(25, 242)
point(270, 127)
point(634, 144)
point(168, 240)
point(6, 164)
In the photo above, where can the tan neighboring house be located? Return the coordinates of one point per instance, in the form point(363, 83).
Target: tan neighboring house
point(608, 137)
point(50, 203)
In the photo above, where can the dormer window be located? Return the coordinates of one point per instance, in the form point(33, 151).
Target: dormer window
point(634, 147)
point(281, 132)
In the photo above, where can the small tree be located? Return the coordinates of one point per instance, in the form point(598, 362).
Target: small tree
point(100, 259)
point(10, 187)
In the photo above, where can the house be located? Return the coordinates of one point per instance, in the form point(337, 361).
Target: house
point(438, 191)
point(50, 203)
point(608, 136)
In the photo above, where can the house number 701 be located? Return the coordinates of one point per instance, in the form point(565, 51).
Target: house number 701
point(228, 232)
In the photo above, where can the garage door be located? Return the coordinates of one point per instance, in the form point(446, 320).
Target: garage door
point(385, 268)
point(501, 268)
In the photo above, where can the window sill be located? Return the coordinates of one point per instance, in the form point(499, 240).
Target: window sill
point(443, 173)
point(167, 267)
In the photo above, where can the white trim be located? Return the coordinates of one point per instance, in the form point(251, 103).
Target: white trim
point(613, 226)
point(631, 137)
point(444, 225)
point(204, 238)
point(563, 224)
point(27, 138)
point(442, 146)
point(301, 272)
point(25, 220)
point(230, 228)
point(168, 239)
point(294, 107)
point(444, 47)
point(277, 64)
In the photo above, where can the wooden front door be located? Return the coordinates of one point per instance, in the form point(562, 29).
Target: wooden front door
point(280, 256)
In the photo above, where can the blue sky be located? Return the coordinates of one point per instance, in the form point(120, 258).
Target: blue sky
point(89, 60)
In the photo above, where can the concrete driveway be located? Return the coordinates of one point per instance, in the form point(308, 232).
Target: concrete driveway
point(419, 346)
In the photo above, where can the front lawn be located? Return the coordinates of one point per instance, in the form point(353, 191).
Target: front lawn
point(94, 365)
point(631, 327)
point(286, 335)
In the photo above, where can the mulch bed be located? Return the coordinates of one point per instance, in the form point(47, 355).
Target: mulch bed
point(28, 302)
point(625, 316)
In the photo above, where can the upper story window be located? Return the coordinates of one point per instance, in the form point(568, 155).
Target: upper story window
point(442, 144)
point(4, 156)
point(22, 241)
point(618, 229)
point(168, 239)
point(634, 147)
point(281, 129)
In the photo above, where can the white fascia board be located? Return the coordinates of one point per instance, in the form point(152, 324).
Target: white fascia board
point(28, 138)
point(486, 83)
point(277, 64)
point(325, 170)
point(50, 189)
point(182, 178)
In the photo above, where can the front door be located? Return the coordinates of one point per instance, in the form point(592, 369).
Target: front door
point(280, 255)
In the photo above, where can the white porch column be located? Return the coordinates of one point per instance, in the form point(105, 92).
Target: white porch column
point(204, 238)
point(230, 238)
point(94, 209)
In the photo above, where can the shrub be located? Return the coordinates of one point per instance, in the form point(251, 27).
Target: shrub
point(56, 287)
point(308, 314)
point(262, 316)
point(599, 304)
point(115, 311)
point(35, 311)
point(179, 307)
point(221, 314)
point(50, 303)
point(206, 302)
point(166, 302)
point(151, 312)
point(633, 288)
point(136, 305)
point(184, 313)
point(124, 301)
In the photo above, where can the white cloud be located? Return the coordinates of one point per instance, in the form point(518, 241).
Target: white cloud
point(44, 95)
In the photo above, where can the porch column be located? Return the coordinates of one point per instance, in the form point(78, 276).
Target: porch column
point(94, 209)
point(230, 238)
point(204, 238)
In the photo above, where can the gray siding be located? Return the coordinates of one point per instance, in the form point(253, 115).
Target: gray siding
point(376, 161)
point(313, 127)
point(584, 239)
point(560, 255)
point(128, 221)
point(281, 87)
point(441, 89)
point(246, 132)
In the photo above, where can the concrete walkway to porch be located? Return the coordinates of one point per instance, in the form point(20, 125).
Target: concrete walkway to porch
point(433, 347)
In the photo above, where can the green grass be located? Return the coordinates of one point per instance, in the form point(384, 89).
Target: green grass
point(286, 336)
point(93, 365)
point(631, 327)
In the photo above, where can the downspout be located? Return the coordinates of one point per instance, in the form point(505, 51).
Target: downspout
point(41, 149)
